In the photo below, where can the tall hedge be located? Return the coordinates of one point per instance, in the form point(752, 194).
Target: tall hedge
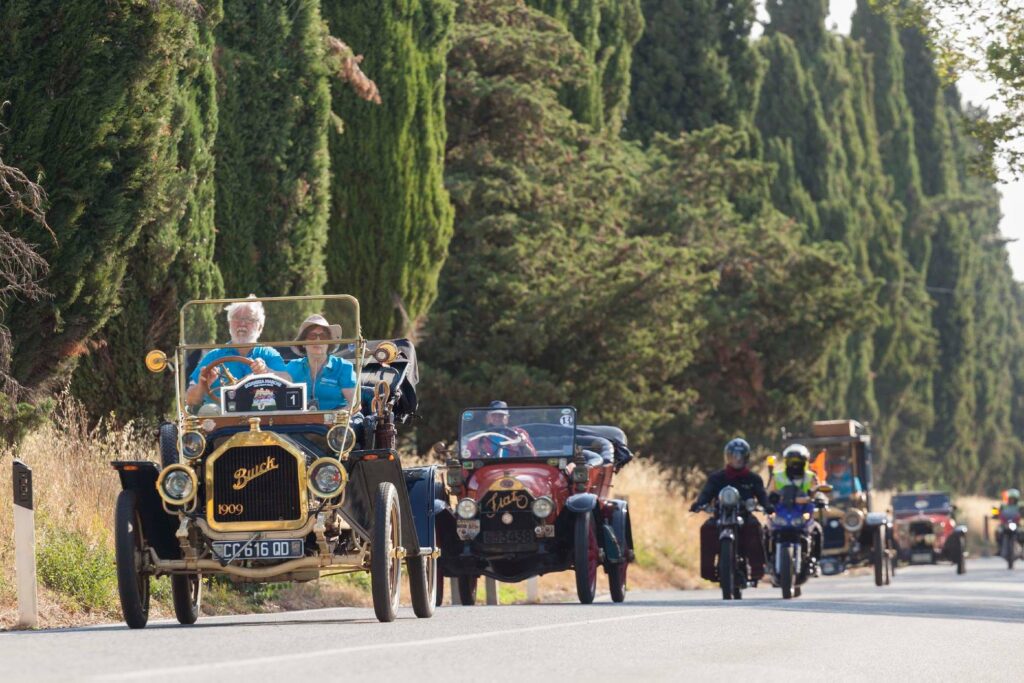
point(173, 259)
point(92, 90)
point(391, 218)
point(272, 162)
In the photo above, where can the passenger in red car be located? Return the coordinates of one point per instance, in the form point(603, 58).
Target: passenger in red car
point(499, 440)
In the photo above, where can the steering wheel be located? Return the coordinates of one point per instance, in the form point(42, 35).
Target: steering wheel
point(224, 373)
point(504, 441)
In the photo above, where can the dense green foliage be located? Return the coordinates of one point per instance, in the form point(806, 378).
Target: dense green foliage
point(631, 206)
point(391, 219)
point(173, 259)
point(272, 178)
point(92, 93)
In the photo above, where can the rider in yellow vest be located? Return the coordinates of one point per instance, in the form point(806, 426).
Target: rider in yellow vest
point(795, 472)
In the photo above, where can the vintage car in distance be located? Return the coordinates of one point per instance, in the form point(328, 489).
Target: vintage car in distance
point(259, 484)
point(852, 533)
point(532, 490)
point(925, 530)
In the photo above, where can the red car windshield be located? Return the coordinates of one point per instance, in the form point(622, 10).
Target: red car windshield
point(548, 432)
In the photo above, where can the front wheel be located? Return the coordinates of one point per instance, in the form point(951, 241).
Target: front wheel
point(726, 568)
point(961, 553)
point(878, 557)
point(1008, 550)
point(423, 584)
point(132, 583)
point(617, 580)
point(467, 589)
point(385, 567)
point(187, 594)
point(585, 557)
point(786, 571)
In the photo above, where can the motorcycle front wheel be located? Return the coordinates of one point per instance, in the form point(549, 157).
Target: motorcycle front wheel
point(727, 568)
point(786, 571)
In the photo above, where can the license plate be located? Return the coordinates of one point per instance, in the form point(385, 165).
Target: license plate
point(258, 550)
point(518, 536)
point(920, 557)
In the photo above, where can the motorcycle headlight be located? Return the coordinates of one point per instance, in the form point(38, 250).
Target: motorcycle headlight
point(542, 507)
point(466, 509)
point(327, 477)
point(729, 496)
point(177, 484)
point(193, 444)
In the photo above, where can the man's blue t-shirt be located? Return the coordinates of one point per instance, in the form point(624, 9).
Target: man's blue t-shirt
point(238, 369)
point(844, 485)
point(335, 375)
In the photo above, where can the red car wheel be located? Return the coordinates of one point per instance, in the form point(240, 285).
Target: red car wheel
point(586, 558)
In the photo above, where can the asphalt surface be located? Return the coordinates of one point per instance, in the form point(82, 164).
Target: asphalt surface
point(930, 624)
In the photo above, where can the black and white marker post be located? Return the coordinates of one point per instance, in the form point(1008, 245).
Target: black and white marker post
point(25, 546)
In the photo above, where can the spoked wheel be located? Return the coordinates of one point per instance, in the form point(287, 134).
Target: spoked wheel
point(726, 570)
point(467, 589)
point(878, 558)
point(786, 571)
point(961, 552)
point(585, 557)
point(617, 580)
point(423, 584)
point(132, 582)
point(187, 591)
point(385, 567)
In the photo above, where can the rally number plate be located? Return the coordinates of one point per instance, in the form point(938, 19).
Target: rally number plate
point(259, 550)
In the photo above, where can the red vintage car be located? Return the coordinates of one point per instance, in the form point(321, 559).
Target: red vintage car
point(925, 530)
point(532, 496)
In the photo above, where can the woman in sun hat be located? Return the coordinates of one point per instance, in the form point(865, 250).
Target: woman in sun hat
point(330, 380)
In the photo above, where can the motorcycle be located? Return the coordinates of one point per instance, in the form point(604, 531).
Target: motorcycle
point(790, 531)
point(1008, 536)
point(733, 572)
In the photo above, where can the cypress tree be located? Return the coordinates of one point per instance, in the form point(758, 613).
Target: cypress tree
point(391, 219)
point(272, 178)
point(92, 90)
point(173, 259)
point(607, 30)
point(693, 67)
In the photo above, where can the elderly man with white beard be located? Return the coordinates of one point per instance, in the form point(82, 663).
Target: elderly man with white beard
point(245, 322)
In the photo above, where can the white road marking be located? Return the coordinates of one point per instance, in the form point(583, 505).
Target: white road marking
point(260, 661)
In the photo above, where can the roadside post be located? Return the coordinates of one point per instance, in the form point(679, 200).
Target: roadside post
point(25, 546)
point(491, 588)
point(532, 589)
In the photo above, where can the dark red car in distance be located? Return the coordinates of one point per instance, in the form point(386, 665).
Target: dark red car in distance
point(925, 530)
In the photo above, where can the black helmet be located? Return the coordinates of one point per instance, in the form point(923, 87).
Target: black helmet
point(737, 453)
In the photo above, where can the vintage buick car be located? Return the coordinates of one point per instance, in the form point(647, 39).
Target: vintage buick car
point(259, 483)
point(852, 533)
point(533, 495)
point(925, 530)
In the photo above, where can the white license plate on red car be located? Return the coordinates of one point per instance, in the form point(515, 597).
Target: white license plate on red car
point(259, 550)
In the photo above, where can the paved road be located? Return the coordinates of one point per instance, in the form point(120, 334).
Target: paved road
point(929, 625)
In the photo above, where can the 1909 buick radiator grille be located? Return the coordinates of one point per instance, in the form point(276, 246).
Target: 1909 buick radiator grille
point(256, 484)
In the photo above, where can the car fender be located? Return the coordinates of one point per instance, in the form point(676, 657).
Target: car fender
point(158, 527)
point(581, 502)
point(617, 547)
point(424, 498)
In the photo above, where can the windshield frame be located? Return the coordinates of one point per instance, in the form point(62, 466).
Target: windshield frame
point(348, 342)
point(539, 458)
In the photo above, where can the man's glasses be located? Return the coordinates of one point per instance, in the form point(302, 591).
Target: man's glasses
point(244, 319)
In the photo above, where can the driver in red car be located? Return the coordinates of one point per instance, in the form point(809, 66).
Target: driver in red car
point(245, 323)
point(499, 440)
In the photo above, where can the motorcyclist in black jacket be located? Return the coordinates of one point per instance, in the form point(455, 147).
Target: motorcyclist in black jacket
point(738, 475)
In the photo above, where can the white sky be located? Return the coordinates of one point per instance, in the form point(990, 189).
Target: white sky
point(971, 90)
